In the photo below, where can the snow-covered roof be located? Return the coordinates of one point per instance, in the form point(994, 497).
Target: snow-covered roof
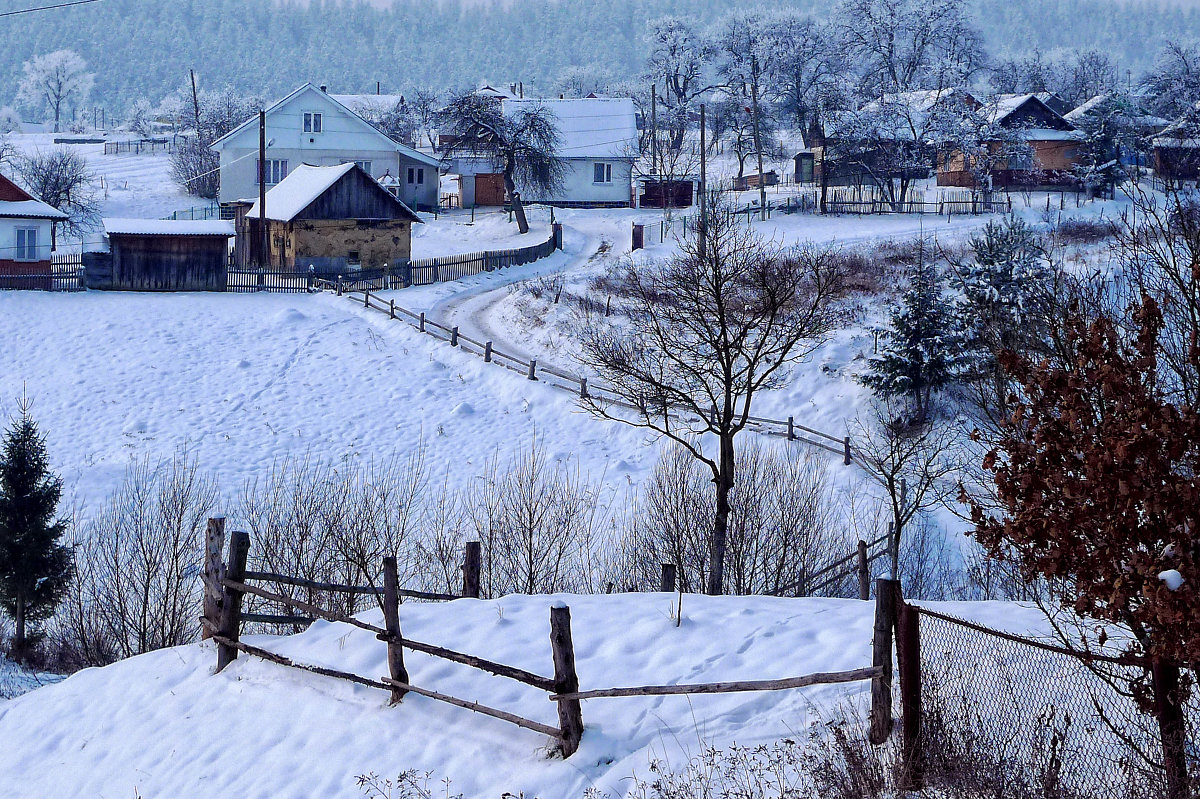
point(1134, 114)
point(167, 227)
point(303, 186)
point(589, 127)
point(298, 190)
point(29, 209)
point(1049, 134)
point(391, 144)
point(374, 102)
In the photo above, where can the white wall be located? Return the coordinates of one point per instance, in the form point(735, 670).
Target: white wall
point(577, 185)
point(8, 237)
point(343, 138)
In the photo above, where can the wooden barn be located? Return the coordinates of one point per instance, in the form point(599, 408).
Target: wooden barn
point(329, 218)
point(161, 255)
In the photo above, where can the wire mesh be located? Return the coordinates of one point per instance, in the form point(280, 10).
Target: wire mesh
point(1044, 718)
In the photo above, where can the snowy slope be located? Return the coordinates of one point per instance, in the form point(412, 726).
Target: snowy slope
point(162, 725)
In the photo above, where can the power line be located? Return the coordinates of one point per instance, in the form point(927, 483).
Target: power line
point(46, 8)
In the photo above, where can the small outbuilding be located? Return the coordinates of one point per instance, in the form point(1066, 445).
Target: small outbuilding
point(329, 218)
point(161, 255)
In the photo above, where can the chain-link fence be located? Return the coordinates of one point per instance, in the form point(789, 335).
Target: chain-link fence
point(1037, 716)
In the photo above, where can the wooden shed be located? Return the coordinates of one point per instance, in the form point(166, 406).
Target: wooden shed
point(165, 255)
point(328, 218)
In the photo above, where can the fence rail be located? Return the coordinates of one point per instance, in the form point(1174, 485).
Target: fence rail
point(420, 272)
point(139, 147)
point(225, 583)
point(580, 386)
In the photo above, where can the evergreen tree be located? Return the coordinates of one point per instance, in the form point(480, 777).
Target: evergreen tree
point(34, 567)
point(1003, 304)
point(920, 352)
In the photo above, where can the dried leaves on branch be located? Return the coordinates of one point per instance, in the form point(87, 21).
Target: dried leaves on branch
point(1096, 476)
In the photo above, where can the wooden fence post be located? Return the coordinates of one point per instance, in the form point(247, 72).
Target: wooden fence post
point(846, 451)
point(214, 544)
point(487, 352)
point(908, 657)
point(864, 572)
point(422, 325)
point(231, 603)
point(533, 369)
point(583, 388)
point(881, 656)
point(668, 578)
point(471, 563)
point(1171, 727)
point(566, 681)
point(392, 310)
point(791, 428)
point(391, 621)
point(454, 336)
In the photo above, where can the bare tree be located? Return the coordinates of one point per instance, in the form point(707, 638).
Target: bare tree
point(678, 58)
point(913, 463)
point(137, 560)
point(61, 177)
point(55, 80)
point(522, 144)
point(707, 331)
point(424, 106)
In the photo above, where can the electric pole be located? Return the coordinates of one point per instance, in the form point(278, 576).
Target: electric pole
point(263, 171)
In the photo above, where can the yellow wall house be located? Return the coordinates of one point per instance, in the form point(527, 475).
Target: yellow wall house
point(328, 218)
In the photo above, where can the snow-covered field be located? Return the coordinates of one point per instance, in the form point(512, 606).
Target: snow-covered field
point(162, 725)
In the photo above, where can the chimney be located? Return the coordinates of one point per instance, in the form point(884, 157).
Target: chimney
point(324, 88)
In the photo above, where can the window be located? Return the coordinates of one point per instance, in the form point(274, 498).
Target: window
point(365, 166)
point(416, 175)
point(312, 122)
point(27, 247)
point(277, 170)
point(601, 173)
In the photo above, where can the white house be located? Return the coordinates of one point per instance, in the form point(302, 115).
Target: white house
point(598, 139)
point(309, 126)
point(25, 232)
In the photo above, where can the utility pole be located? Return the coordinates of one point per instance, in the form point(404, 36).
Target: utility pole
point(703, 229)
point(762, 180)
point(264, 243)
point(195, 103)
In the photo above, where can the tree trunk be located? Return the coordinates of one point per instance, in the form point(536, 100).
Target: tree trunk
point(762, 184)
point(19, 636)
point(514, 198)
point(1172, 727)
point(724, 481)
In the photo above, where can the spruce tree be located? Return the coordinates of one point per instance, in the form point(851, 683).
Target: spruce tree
point(919, 352)
point(1004, 294)
point(35, 568)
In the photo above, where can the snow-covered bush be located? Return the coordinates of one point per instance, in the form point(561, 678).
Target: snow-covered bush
point(10, 120)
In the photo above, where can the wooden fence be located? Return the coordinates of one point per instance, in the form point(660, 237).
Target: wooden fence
point(575, 384)
point(421, 272)
point(226, 584)
point(65, 273)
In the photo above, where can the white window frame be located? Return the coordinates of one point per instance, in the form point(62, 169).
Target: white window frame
point(24, 251)
point(417, 172)
point(314, 122)
point(277, 170)
point(604, 169)
point(365, 166)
